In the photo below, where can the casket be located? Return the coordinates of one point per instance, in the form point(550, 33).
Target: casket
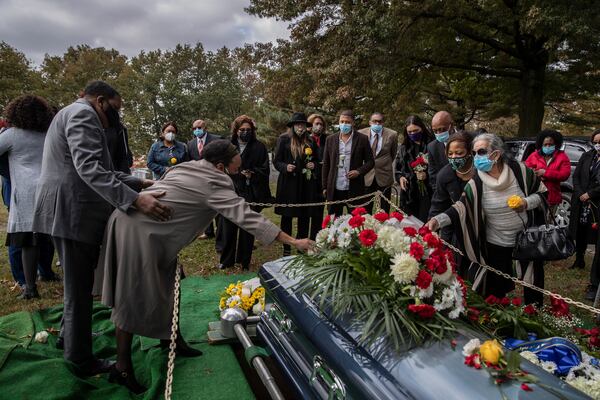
point(323, 359)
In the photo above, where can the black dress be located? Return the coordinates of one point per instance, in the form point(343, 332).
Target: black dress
point(237, 243)
point(414, 202)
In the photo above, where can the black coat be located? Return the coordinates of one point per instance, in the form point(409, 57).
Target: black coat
point(584, 182)
point(255, 158)
point(118, 147)
point(413, 201)
point(436, 152)
point(448, 191)
point(293, 187)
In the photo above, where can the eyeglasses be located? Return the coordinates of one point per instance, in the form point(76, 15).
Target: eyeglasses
point(593, 143)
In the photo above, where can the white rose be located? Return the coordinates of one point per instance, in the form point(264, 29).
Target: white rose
point(41, 337)
point(257, 308)
point(246, 292)
point(404, 268)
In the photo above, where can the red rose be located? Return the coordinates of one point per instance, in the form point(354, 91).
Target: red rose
point(356, 221)
point(410, 231)
point(326, 221)
point(517, 302)
point(559, 307)
point(397, 215)
point(505, 301)
point(424, 311)
point(526, 387)
point(423, 279)
point(359, 211)
point(491, 300)
point(529, 309)
point(416, 250)
point(424, 230)
point(595, 226)
point(367, 237)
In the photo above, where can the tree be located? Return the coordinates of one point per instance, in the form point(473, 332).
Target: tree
point(527, 53)
point(16, 74)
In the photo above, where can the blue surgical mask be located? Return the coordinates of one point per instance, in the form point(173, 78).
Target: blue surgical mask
point(548, 150)
point(376, 128)
point(345, 128)
point(198, 132)
point(483, 163)
point(442, 137)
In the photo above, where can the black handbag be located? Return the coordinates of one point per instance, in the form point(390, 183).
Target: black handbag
point(547, 242)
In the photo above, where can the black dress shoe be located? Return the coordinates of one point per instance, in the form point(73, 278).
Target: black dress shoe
point(223, 266)
point(591, 292)
point(578, 264)
point(60, 343)
point(181, 348)
point(29, 294)
point(126, 379)
point(95, 367)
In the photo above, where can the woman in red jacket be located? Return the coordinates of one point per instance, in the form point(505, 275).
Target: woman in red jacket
point(550, 163)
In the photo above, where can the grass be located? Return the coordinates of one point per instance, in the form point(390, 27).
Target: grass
point(200, 258)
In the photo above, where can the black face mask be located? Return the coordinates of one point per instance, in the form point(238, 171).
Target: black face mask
point(245, 136)
point(114, 120)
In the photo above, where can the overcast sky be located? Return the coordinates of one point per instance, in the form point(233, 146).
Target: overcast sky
point(37, 27)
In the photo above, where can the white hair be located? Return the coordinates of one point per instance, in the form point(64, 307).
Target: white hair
point(494, 142)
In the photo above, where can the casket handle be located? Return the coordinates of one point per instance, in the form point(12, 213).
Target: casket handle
point(322, 373)
point(283, 322)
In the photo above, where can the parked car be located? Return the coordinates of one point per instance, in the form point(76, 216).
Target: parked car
point(574, 147)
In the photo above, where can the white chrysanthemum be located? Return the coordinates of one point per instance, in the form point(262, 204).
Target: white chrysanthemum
point(371, 223)
point(344, 239)
point(420, 293)
point(531, 357)
point(385, 240)
point(322, 238)
point(393, 222)
point(404, 268)
point(549, 366)
point(471, 347)
point(446, 301)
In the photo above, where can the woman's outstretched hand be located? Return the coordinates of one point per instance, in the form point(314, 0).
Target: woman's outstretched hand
point(433, 225)
point(304, 244)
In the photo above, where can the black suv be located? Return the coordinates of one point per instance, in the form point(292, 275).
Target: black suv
point(574, 147)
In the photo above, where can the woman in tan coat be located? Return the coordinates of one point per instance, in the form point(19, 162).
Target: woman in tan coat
point(139, 254)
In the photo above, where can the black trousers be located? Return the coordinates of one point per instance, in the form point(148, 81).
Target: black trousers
point(338, 209)
point(210, 231)
point(286, 226)
point(500, 258)
point(531, 296)
point(237, 244)
point(78, 261)
point(583, 237)
point(219, 241)
point(315, 223)
point(387, 192)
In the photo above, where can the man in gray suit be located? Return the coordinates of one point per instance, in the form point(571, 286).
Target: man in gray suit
point(384, 144)
point(76, 193)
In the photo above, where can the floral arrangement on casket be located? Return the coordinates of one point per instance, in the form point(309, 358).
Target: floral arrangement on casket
point(248, 295)
point(399, 281)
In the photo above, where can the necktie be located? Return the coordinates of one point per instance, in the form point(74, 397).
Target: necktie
point(374, 145)
point(200, 147)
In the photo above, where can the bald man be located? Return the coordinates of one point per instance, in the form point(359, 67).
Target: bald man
point(195, 148)
point(442, 126)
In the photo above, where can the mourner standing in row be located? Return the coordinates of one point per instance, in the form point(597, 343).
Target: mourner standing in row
point(166, 151)
point(318, 135)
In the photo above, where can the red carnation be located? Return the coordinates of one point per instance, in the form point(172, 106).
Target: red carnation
point(594, 341)
point(359, 211)
point(381, 216)
point(559, 307)
point(505, 301)
point(517, 302)
point(595, 226)
point(326, 221)
point(441, 268)
point(356, 221)
point(423, 279)
point(410, 231)
point(397, 215)
point(424, 311)
point(367, 237)
point(526, 387)
point(424, 230)
point(473, 361)
point(430, 264)
point(491, 300)
point(473, 314)
point(432, 240)
point(417, 251)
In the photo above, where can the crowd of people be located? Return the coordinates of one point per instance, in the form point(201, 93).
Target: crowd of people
point(68, 186)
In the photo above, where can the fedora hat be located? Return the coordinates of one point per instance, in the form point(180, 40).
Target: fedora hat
point(298, 118)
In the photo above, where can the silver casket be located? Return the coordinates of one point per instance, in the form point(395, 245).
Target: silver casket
point(323, 359)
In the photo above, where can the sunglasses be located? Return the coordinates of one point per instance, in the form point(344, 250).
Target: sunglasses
point(481, 152)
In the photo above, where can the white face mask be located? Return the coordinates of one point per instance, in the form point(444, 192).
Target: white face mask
point(597, 147)
point(169, 136)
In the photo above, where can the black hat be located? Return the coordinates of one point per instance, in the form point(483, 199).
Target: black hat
point(297, 118)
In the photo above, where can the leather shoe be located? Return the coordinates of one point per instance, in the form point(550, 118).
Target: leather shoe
point(95, 367)
point(126, 379)
point(591, 292)
point(578, 264)
point(223, 266)
point(29, 294)
point(181, 348)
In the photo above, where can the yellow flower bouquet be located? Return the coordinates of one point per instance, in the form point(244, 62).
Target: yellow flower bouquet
point(248, 295)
